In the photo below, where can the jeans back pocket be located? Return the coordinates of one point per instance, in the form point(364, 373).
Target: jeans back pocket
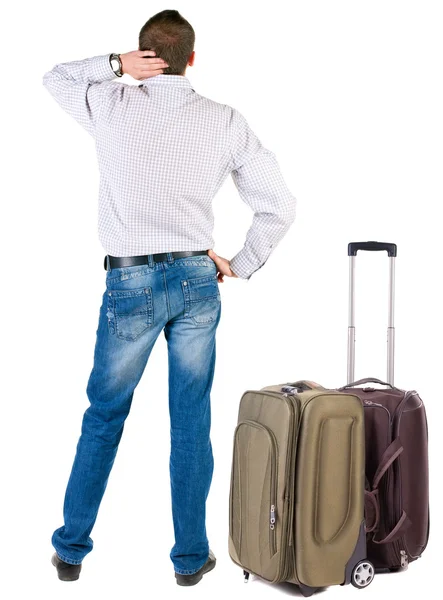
point(132, 310)
point(202, 299)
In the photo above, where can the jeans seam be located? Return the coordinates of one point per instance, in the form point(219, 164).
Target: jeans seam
point(65, 559)
point(166, 291)
point(180, 572)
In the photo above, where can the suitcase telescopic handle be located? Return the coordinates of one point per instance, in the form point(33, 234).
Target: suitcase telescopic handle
point(354, 247)
point(391, 249)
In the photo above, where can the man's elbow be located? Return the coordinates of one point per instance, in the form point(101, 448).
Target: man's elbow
point(52, 77)
point(287, 212)
point(47, 79)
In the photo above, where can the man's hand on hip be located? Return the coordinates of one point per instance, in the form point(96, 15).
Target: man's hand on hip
point(139, 65)
point(223, 266)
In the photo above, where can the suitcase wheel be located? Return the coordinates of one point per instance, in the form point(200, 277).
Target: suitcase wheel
point(363, 574)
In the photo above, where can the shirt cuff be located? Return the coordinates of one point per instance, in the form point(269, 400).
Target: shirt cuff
point(243, 267)
point(100, 68)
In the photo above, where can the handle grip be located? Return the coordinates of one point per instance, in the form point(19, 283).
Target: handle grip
point(354, 247)
point(366, 380)
point(304, 385)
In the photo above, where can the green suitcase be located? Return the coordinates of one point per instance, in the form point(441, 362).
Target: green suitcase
point(297, 487)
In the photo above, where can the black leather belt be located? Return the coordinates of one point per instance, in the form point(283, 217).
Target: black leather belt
point(114, 262)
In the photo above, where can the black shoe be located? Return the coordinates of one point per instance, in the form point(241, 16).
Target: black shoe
point(195, 577)
point(66, 571)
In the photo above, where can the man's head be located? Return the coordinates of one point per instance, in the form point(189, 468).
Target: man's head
point(172, 38)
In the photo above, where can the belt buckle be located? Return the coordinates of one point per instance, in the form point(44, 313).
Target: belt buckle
point(107, 263)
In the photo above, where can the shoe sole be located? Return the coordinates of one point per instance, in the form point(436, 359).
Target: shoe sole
point(195, 581)
point(59, 576)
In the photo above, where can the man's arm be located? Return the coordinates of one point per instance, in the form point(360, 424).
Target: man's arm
point(261, 186)
point(77, 87)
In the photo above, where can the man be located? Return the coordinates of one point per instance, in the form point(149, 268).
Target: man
point(163, 152)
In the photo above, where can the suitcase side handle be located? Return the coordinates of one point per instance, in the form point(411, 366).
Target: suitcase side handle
point(354, 247)
point(305, 385)
point(366, 380)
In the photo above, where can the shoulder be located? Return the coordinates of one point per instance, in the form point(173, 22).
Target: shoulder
point(118, 92)
point(109, 89)
point(236, 120)
point(228, 114)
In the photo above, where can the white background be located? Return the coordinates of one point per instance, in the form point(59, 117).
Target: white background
point(349, 96)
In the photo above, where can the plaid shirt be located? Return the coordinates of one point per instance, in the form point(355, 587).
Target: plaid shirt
point(163, 152)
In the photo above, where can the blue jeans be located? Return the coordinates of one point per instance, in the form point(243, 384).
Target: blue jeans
point(182, 297)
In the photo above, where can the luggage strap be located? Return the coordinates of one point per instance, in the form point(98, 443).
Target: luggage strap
point(372, 508)
point(391, 453)
point(402, 525)
point(372, 501)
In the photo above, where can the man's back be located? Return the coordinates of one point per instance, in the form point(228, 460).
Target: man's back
point(163, 152)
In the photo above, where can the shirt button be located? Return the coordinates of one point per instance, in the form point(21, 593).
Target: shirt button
point(185, 283)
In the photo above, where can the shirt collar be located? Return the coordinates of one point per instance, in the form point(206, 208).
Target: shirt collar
point(180, 81)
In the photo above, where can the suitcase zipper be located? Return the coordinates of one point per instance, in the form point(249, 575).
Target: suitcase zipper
point(370, 404)
point(272, 530)
point(383, 523)
point(400, 551)
point(286, 563)
point(409, 554)
point(289, 565)
point(273, 484)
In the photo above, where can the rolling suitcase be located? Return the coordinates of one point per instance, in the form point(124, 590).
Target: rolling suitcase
point(397, 494)
point(297, 488)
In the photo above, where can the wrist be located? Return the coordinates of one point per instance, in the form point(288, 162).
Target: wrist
point(232, 272)
point(116, 64)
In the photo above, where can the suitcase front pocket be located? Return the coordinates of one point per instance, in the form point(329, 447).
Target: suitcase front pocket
point(253, 507)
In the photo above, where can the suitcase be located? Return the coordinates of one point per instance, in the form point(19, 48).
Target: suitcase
point(397, 495)
point(296, 510)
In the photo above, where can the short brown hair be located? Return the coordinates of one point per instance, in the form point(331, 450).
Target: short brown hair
point(171, 37)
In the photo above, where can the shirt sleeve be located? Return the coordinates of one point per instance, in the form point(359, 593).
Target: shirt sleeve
point(258, 179)
point(78, 87)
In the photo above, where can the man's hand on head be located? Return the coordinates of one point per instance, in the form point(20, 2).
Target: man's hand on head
point(141, 64)
point(223, 266)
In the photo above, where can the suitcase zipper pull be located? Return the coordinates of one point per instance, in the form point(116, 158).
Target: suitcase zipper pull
point(272, 519)
point(404, 559)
